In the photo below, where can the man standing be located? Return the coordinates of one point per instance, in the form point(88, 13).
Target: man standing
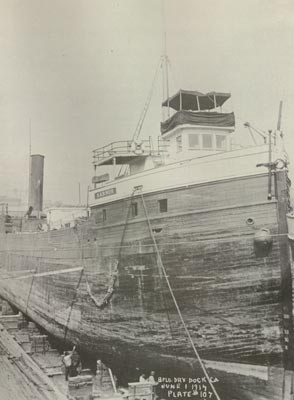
point(151, 378)
point(67, 362)
point(75, 364)
point(142, 378)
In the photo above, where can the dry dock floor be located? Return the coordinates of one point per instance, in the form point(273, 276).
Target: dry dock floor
point(20, 377)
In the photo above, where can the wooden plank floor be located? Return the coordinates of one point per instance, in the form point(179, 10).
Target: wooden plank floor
point(20, 376)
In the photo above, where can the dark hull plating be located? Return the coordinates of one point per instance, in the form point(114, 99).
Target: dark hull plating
point(232, 301)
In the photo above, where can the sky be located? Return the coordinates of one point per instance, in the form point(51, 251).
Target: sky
point(76, 74)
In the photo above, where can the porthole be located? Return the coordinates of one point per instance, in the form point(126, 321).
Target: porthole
point(250, 221)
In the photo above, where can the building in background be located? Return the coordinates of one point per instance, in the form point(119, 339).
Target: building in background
point(65, 217)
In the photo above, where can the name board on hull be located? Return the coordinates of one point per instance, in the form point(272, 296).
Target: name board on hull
point(104, 193)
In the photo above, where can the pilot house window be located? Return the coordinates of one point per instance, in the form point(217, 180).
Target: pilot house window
point(179, 143)
point(207, 141)
point(162, 205)
point(194, 141)
point(220, 142)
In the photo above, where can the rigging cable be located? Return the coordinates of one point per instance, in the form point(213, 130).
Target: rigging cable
point(106, 299)
point(30, 291)
point(146, 107)
point(72, 304)
point(159, 260)
point(140, 123)
point(125, 224)
point(31, 287)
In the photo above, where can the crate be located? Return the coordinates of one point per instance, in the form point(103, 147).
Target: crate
point(39, 343)
point(141, 391)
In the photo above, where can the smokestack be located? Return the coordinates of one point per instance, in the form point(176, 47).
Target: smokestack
point(36, 182)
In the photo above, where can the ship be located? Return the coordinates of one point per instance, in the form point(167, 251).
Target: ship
point(184, 263)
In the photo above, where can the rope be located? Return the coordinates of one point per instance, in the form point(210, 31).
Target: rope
point(159, 260)
point(106, 299)
point(78, 284)
point(140, 123)
point(72, 304)
point(30, 291)
point(146, 107)
point(125, 225)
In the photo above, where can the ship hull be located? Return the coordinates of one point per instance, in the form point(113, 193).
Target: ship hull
point(230, 296)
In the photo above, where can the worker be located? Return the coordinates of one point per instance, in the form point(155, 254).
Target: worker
point(151, 378)
point(99, 367)
point(142, 378)
point(67, 360)
point(75, 367)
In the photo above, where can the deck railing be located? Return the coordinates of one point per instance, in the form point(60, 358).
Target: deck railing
point(127, 147)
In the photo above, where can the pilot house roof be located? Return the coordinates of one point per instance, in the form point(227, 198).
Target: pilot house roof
point(196, 101)
point(211, 119)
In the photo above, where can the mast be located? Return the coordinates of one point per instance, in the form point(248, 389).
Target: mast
point(30, 138)
point(29, 158)
point(165, 81)
point(280, 116)
point(164, 66)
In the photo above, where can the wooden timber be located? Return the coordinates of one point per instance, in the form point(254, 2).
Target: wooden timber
point(20, 376)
